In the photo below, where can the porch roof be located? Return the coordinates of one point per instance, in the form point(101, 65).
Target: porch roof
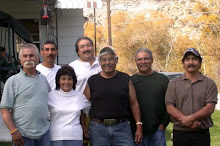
point(78, 4)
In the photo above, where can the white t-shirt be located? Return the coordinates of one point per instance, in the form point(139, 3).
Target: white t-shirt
point(65, 109)
point(49, 73)
point(84, 71)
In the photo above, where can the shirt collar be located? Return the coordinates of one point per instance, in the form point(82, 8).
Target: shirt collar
point(24, 73)
point(88, 64)
point(201, 77)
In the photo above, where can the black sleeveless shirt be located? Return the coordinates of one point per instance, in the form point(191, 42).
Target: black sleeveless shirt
point(109, 96)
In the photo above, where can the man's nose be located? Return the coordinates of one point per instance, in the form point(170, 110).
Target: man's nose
point(107, 61)
point(142, 61)
point(28, 57)
point(50, 51)
point(190, 60)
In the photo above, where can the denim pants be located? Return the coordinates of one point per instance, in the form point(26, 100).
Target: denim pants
point(118, 135)
point(156, 139)
point(44, 140)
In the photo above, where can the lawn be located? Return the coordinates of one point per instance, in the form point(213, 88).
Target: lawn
point(214, 131)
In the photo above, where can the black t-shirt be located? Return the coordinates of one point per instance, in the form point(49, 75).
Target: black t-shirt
point(109, 96)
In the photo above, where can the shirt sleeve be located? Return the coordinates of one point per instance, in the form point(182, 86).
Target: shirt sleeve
point(212, 93)
point(170, 94)
point(166, 116)
point(8, 96)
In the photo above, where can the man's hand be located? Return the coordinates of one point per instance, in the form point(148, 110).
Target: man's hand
point(186, 120)
point(85, 132)
point(17, 139)
point(195, 125)
point(161, 127)
point(138, 134)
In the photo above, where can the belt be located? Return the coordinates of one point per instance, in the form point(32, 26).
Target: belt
point(109, 122)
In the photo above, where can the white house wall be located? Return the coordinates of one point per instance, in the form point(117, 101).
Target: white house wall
point(70, 24)
point(70, 28)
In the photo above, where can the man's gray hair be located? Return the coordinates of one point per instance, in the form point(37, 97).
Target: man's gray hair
point(28, 46)
point(143, 49)
point(107, 50)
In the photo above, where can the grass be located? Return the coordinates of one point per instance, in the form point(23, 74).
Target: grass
point(214, 131)
point(5, 144)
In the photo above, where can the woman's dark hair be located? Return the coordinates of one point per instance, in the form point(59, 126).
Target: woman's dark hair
point(66, 70)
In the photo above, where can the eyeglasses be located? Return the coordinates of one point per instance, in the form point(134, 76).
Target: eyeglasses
point(104, 60)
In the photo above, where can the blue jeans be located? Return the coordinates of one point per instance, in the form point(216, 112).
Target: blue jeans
point(118, 135)
point(44, 140)
point(156, 139)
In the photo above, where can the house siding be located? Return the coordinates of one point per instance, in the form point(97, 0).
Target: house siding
point(70, 25)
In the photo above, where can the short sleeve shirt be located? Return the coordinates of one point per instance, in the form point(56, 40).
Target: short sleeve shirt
point(27, 97)
point(190, 97)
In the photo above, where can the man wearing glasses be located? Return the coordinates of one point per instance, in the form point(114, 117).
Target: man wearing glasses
point(112, 94)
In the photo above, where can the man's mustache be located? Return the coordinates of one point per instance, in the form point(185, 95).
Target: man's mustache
point(51, 55)
point(107, 65)
point(29, 62)
point(191, 65)
point(87, 51)
point(144, 64)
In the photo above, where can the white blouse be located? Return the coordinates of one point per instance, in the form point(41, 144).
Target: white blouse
point(65, 110)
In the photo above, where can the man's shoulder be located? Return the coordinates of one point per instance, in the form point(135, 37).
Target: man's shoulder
point(161, 77)
point(39, 66)
point(122, 73)
point(74, 63)
point(160, 74)
point(134, 75)
point(176, 81)
point(15, 79)
point(41, 76)
point(208, 80)
point(122, 76)
point(95, 76)
point(56, 67)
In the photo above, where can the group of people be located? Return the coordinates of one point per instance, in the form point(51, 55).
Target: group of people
point(46, 104)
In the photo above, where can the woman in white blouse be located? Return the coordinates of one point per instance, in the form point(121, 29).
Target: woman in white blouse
point(65, 105)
